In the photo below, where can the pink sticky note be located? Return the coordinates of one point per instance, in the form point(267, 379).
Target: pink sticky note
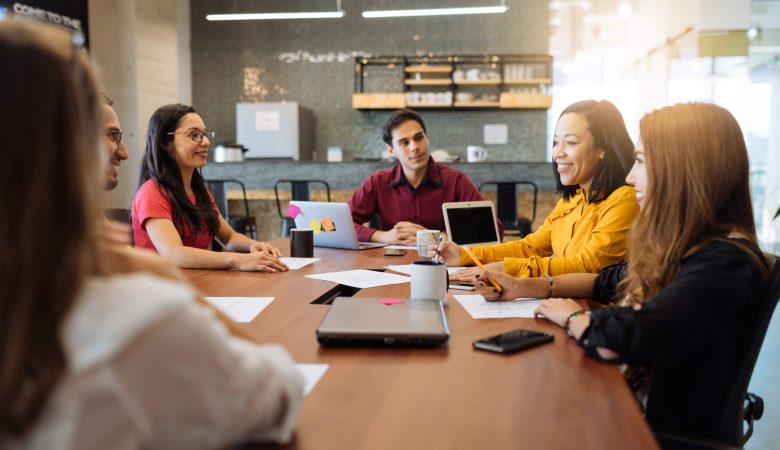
point(293, 211)
point(390, 301)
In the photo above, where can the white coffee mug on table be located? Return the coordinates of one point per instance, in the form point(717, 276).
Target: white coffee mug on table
point(426, 238)
point(430, 280)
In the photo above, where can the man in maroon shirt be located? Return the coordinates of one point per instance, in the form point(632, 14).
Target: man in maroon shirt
point(408, 196)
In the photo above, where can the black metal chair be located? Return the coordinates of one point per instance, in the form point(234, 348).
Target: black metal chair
point(742, 408)
point(243, 224)
point(122, 216)
point(299, 190)
point(506, 205)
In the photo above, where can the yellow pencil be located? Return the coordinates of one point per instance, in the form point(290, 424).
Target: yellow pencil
point(481, 267)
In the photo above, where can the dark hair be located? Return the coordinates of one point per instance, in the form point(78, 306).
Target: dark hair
point(106, 99)
point(395, 120)
point(160, 165)
point(609, 132)
point(52, 185)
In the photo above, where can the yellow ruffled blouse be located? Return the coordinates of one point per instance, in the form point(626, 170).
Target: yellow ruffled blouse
point(576, 237)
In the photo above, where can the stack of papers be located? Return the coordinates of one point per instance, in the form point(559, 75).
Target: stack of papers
point(297, 263)
point(402, 247)
point(311, 375)
point(479, 308)
point(407, 269)
point(361, 278)
point(240, 309)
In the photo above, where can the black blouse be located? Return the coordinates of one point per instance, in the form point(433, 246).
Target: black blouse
point(688, 335)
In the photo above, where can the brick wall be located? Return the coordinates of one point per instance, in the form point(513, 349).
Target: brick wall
point(274, 61)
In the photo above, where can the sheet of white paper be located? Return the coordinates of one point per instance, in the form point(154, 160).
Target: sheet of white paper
point(297, 263)
point(402, 247)
point(240, 309)
point(407, 269)
point(311, 375)
point(478, 308)
point(361, 278)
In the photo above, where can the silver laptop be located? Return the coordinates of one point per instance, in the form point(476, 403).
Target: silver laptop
point(336, 214)
point(472, 223)
point(384, 321)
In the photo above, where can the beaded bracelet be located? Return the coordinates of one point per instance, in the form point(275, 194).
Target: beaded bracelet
point(571, 317)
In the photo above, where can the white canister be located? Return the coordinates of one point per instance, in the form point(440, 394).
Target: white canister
point(335, 154)
point(475, 153)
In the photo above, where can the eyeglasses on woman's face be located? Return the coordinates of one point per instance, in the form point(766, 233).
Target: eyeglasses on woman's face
point(196, 135)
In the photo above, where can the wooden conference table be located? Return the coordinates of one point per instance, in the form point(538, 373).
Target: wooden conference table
point(453, 397)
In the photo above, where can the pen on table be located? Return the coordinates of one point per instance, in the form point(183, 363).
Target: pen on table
point(436, 254)
point(481, 267)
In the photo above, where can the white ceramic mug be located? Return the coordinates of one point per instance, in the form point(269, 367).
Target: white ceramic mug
point(426, 238)
point(475, 153)
point(430, 280)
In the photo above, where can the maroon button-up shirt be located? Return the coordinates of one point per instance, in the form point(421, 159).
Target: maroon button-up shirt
point(388, 194)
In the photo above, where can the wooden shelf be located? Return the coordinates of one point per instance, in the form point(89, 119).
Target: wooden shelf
point(429, 105)
point(478, 82)
point(510, 81)
point(529, 81)
point(379, 100)
point(428, 69)
point(510, 100)
point(477, 104)
point(431, 82)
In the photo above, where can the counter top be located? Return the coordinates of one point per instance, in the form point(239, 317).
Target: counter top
point(349, 175)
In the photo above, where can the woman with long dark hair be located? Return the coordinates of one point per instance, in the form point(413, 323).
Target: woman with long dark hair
point(173, 211)
point(693, 276)
point(103, 346)
point(592, 153)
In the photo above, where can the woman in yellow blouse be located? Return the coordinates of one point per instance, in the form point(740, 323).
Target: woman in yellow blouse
point(592, 154)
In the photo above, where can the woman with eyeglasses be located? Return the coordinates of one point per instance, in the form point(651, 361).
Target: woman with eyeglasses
point(173, 211)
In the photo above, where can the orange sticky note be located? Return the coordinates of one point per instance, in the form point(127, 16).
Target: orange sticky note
point(328, 225)
point(315, 225)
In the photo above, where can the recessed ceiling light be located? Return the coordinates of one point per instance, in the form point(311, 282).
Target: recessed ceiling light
point(436, 11)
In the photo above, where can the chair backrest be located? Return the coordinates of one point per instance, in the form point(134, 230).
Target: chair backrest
point(219, 192)
point(506, 203)
point(299, 190)
point(731, 427)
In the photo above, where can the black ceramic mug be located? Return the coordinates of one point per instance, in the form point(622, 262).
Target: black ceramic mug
point(301, 242)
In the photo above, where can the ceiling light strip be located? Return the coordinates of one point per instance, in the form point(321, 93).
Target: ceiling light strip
point(435, 12)
point(277, 16)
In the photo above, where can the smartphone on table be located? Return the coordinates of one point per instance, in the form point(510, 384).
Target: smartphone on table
point(394, 252)
point(463, 286)
point(513, 341)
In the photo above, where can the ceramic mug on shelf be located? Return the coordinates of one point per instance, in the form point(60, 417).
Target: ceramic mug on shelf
point(475, 153)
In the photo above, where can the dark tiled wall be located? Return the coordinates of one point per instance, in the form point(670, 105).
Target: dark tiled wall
point(311, 62)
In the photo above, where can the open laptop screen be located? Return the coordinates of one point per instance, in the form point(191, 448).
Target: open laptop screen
point(472, 225)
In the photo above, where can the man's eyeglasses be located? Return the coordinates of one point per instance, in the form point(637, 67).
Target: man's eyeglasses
point(115, 136)
point(196, 135)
